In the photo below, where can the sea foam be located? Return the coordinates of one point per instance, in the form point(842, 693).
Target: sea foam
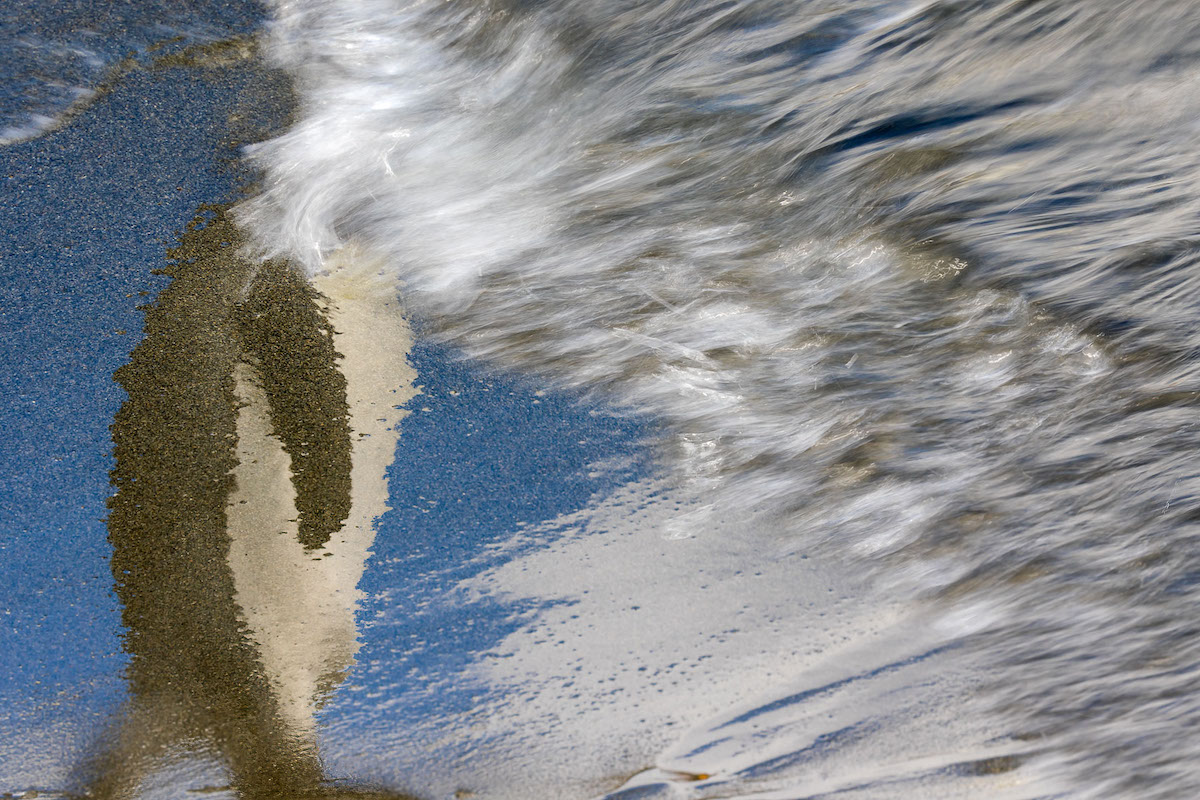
point(868, 265)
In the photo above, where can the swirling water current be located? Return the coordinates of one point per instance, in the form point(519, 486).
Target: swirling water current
point(918, 281)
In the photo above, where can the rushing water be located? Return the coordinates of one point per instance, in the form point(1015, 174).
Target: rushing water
point(915, 280)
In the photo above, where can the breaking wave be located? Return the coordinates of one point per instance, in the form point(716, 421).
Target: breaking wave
point(917, 278)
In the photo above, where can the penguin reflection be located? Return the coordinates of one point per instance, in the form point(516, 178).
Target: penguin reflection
point(250, 463)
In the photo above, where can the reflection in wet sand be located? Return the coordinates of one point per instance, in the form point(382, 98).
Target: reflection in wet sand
point(250, 464)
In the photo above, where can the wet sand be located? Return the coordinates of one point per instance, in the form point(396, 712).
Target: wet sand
point(538, 627)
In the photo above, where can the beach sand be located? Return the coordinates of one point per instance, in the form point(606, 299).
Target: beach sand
point(541, 617)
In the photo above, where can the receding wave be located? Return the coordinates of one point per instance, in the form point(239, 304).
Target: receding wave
point(918, 279)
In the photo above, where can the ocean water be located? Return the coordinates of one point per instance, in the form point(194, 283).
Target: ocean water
point(865, 349)
point(915, 280)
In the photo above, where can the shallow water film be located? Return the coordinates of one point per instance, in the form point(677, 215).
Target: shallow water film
point(602, 399)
